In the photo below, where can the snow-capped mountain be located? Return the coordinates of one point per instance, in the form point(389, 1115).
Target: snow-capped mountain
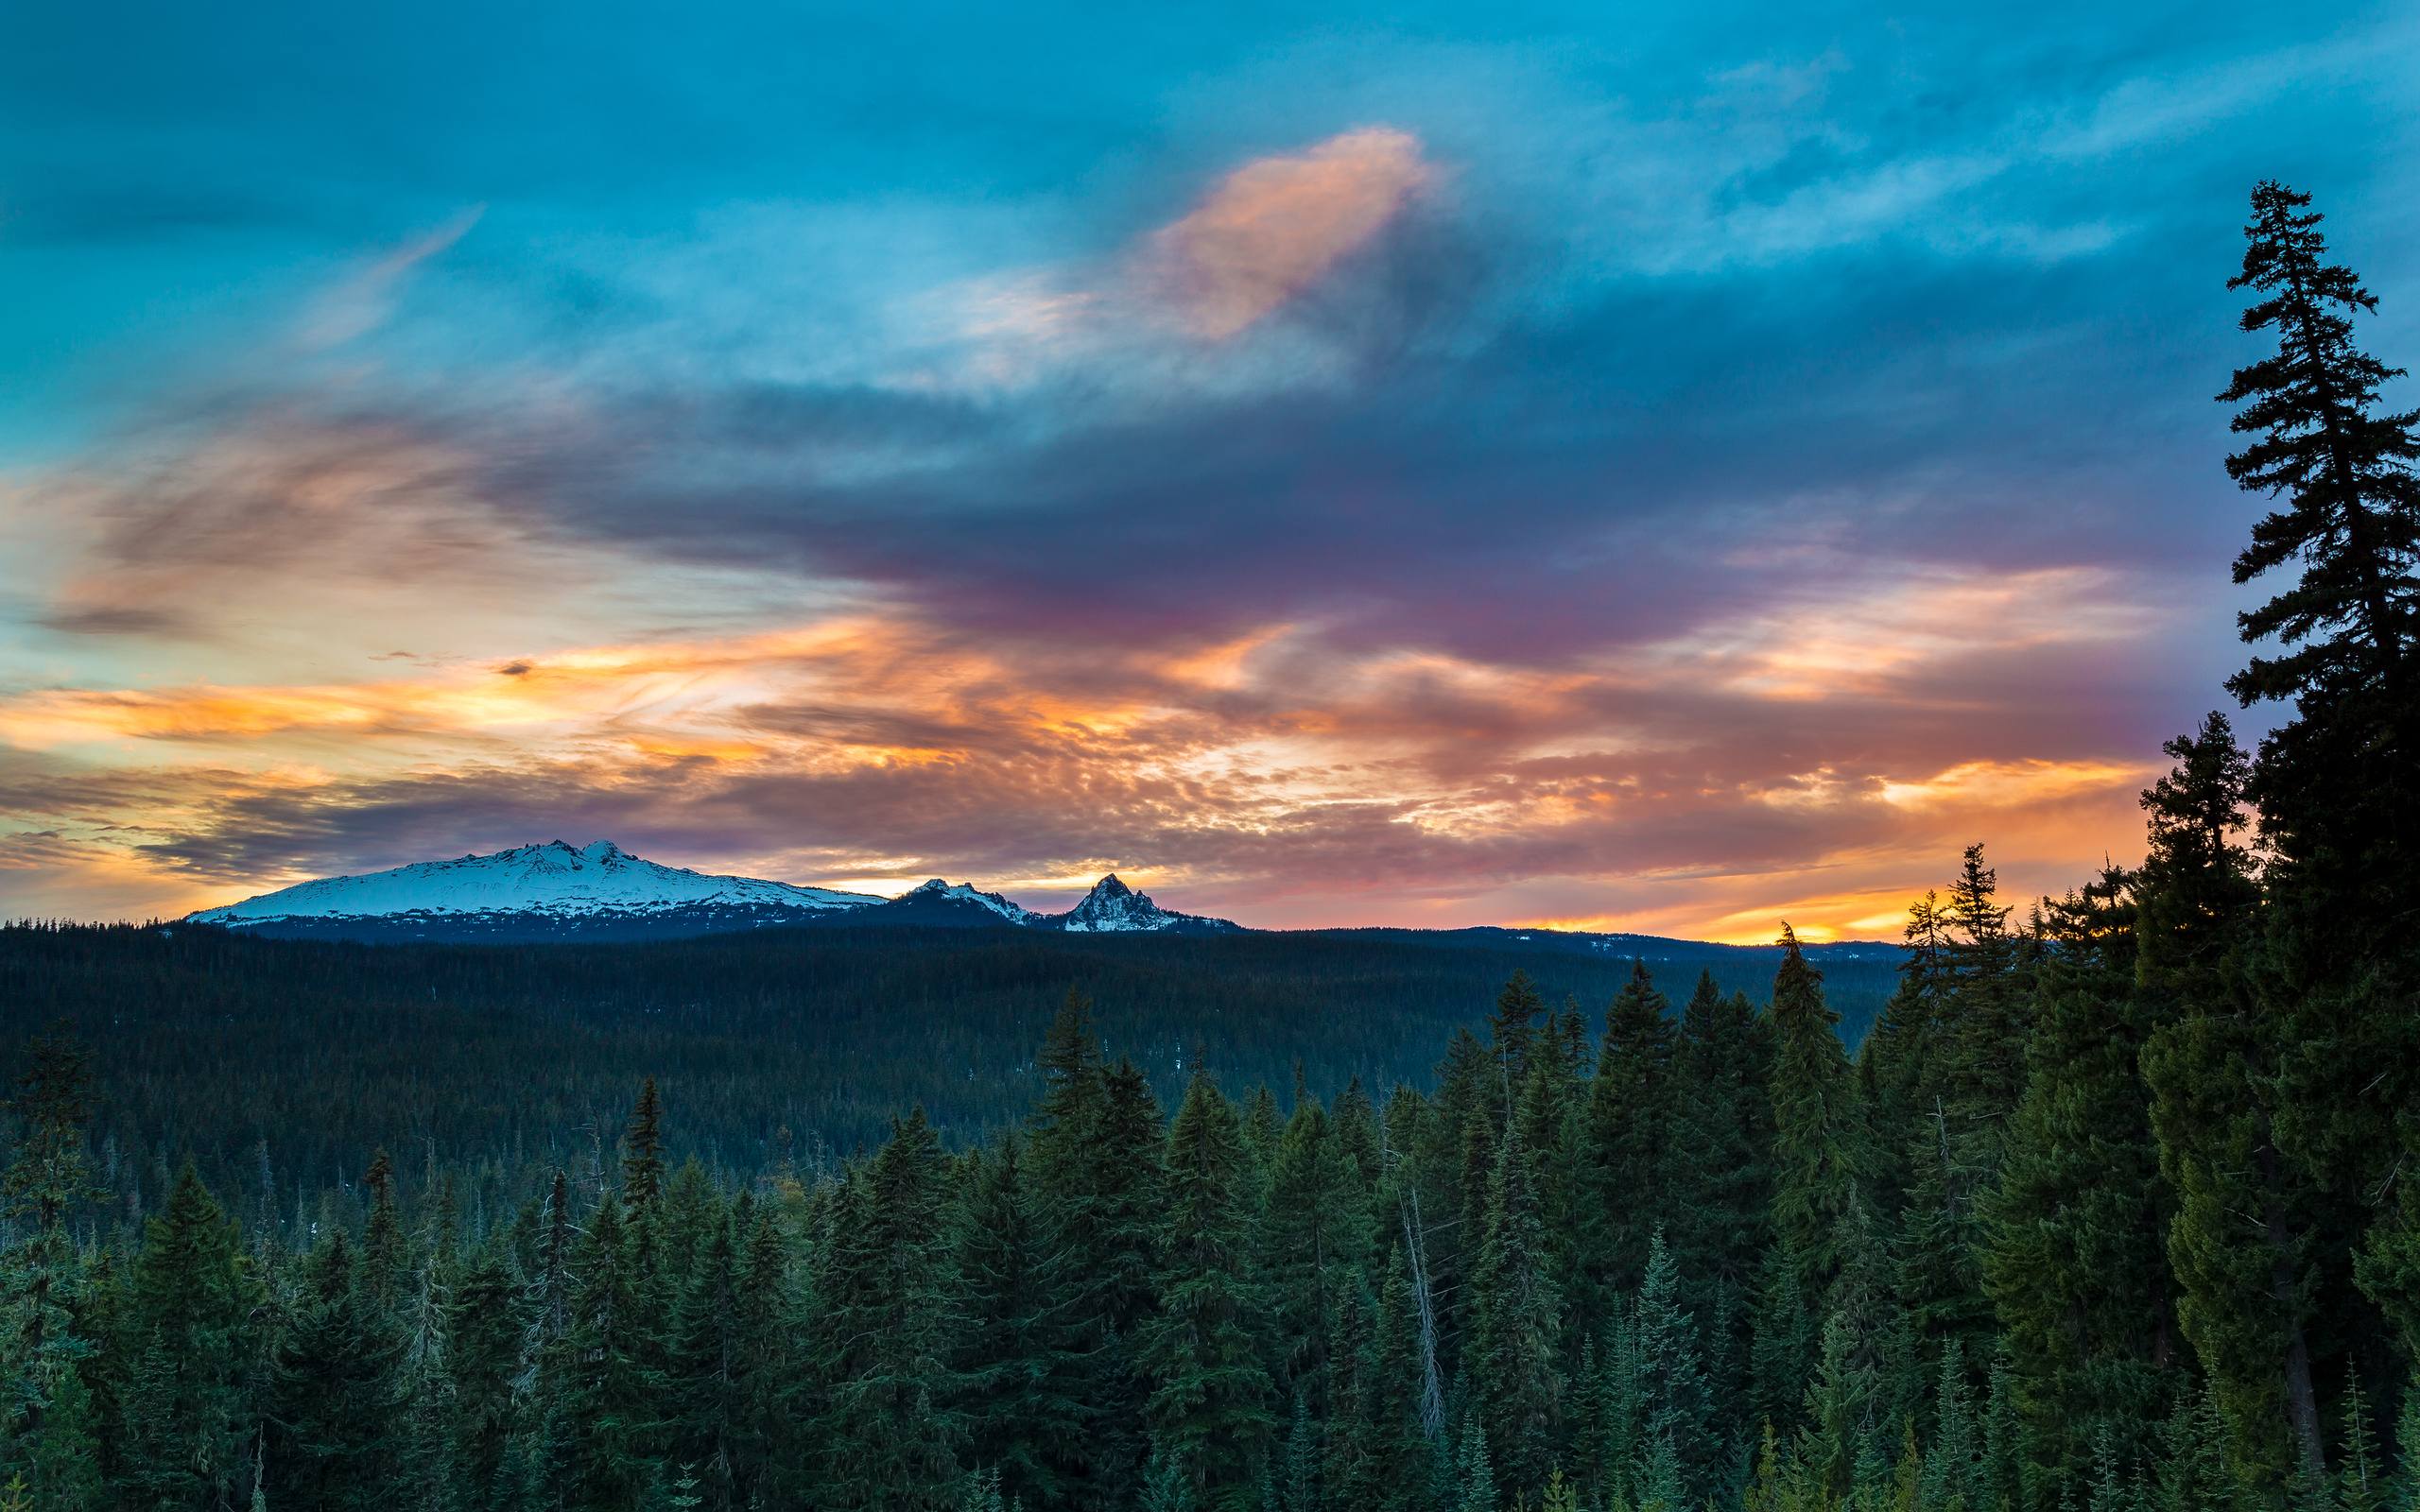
point(947, 905)
point(531, 892)
point(1113, 907)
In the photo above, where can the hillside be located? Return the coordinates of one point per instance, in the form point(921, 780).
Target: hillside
point(212, 1041)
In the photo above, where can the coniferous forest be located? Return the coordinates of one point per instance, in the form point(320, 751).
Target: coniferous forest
point(2113, 1209)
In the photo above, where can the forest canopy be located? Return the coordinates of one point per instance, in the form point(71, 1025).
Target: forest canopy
point(2112, 1209)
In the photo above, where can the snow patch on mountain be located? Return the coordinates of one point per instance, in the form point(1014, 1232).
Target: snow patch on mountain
point(551, 880)
point(938, 891)
point(1113, 907)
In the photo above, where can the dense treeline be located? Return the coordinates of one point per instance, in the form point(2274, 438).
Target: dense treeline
point(278, 1066)
point(2113, 1211)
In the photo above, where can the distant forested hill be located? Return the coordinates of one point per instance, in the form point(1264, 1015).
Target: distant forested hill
point(280, 1064)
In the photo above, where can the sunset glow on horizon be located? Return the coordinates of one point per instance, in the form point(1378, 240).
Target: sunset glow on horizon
point(1613, 482)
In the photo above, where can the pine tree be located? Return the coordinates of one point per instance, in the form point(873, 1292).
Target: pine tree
point(1785, 1334)
point(1315, 1231)
point(1720, 1172)
point(187, 1404)
point(600, 1381)
point(643, 1156)
point(48, 1179)
point(383, 1259)
point(884, 1292)
point(2406, 1496)
point(1209, 1405)
point(706, 1380)
point(763, 1354)
point(2338, 791)
point(1300, 1490)
point(2192, 1468)
point(2245, 1242)
point(1952, 1470)
point(1511, 1030)
point(2074, 1258)
point(2360, 1476)
point(1900, 1063)
point(332, 1392)
point(487, 1332)
point(2196, 893)
point(1632, 1109)
point(1848, 1402)
point(428, 1475)
point(1399, 1461)
point(2336, 785)
point(1017, 1370)
point(1679, 1413)
point(1476, 1472)
point(1096, 1187)
point(1513, 1361)
point(1814, 1122)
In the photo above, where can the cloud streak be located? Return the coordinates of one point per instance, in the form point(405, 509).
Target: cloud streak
point(1660, 481)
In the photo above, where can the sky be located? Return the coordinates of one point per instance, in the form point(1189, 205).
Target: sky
point(1673, 469)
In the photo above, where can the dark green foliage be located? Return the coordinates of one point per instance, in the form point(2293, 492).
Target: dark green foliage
point(770, 1046)
point(886, 1435)
point(2334, 784)
point(1677, 1411)
point(1815, 1126)
point(1633, 1119)
point(192, 1359)
point(1209, 1408)
point(1513, 1359)
point(2075, 1261)
point(1018, 1370)
point(331, 1439)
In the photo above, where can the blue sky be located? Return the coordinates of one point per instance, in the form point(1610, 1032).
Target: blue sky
point(1475, 463)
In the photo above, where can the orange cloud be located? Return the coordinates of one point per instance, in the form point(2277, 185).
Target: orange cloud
point(1272, 227)
point(1271, 774)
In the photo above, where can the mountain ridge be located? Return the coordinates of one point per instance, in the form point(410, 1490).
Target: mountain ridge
point(552, 891)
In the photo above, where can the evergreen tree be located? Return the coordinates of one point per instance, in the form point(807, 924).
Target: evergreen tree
point(1315, 1232)
point(1513, 1363)
point(2336, 785)
point(48, 1179)
point(333, 1391)
point(2193, 1474)
point(643, 1156)
point(1679, 1414)
point(1721, 1175)
point(707, 1383)
point(599, 1380)
point(1511, 1031)
point(1476, 1472)
point(487, 1333)
point(1814, 1122)
point(2360, 1476)
point(1017, 1370)
point(2074, 1258)
point(1785, 1338)
point(1209, 1405)
point(187, 1404)
point(383, 1259)
point(884, 1298)
point(1632, 1109)
point(428, 1475)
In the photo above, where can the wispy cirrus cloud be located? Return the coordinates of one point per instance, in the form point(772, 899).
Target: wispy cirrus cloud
point(1275, 226)
point(364, 300)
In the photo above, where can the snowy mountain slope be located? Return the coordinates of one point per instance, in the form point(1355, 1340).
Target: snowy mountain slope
point(533, 882)
point(538, 893)
point(947, 904)
point(1113, 907)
